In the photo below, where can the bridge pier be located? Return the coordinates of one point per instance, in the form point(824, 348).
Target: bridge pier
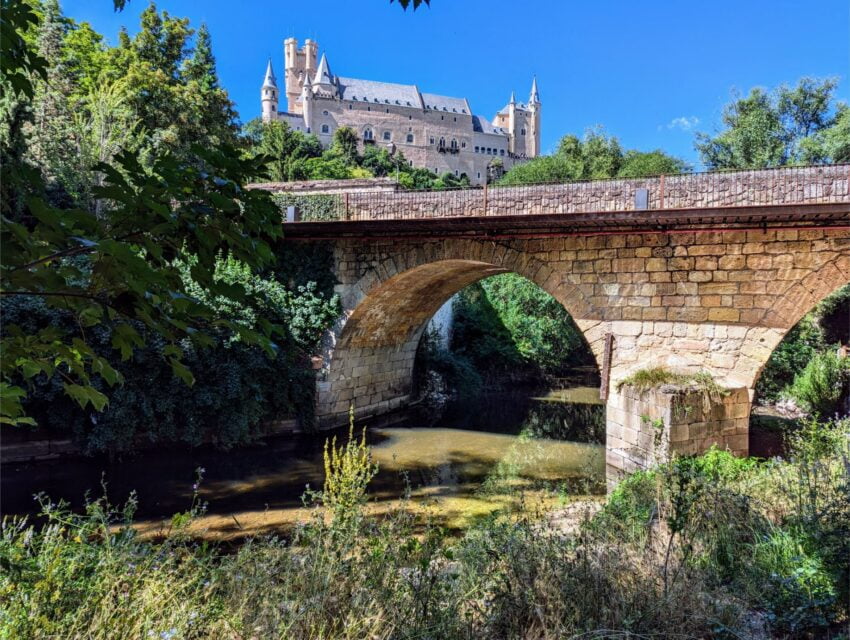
point(647, 427)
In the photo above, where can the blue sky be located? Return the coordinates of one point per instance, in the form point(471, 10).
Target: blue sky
point(651, 72)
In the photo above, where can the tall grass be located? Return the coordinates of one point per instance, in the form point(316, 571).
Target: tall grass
point(701, 547)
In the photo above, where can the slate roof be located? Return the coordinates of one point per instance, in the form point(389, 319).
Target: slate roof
point(323, 73)
point(482, 125)
point(506, 109)
point(446, 103)
point(269, 80)
point(387, 93)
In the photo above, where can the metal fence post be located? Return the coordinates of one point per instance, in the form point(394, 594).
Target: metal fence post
point(485, 197)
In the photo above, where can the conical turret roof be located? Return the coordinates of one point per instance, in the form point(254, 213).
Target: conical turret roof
point(534, 98)
point(323, 73)
point(270, 80)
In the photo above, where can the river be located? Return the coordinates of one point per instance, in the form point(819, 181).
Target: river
point(500, 451)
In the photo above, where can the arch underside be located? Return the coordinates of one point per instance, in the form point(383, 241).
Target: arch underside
point(371, 366)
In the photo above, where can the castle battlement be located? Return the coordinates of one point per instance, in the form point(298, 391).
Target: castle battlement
point(437, 132)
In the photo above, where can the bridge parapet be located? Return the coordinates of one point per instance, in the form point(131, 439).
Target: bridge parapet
point(727, 190)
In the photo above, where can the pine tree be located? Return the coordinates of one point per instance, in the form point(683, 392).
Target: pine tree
point(200, 68)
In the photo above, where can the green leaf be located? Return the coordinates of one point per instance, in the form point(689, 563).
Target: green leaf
point(181, 371)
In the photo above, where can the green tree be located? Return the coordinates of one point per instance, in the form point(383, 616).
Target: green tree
point(595, 156)
point(539, 326)
point(284, 148)
point(770, 129)
point(121, 268)
point(344, 145)
point(638, 164)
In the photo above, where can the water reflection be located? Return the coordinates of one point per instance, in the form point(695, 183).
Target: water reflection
point(501, 451)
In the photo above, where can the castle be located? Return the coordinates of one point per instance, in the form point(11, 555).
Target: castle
point(435, 132)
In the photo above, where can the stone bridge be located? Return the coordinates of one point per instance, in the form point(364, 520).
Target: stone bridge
point(697, 273)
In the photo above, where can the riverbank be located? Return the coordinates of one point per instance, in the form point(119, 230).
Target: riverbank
point(707, 547)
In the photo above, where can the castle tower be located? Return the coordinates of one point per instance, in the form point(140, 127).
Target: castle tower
point(307, 103)
point(512, 123)
point(269, 95)
point(298, 65)
point(534, 124)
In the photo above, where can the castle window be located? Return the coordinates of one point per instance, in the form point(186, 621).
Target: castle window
point(476, 151)
point(325, 112)
point(351, 106)
point(409, 138)
point(463, 145)
point(368, 108)
point(388, 110)
point(454, 144)
point(442, 118)
point(455, 119)
point(522, 132)
point(326, 128)
point(501, 152)
point(479, 175)
point(273, 109)
point(409, 117)
point(455, 171)
point(367, 134)
point(442, 144)
point(489, 151)
point(388, 135)
point(431, 140)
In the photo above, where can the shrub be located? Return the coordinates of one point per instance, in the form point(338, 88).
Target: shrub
point(823, 384)
point(790, 582)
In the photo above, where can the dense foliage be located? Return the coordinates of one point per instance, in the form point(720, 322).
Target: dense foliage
point(131, 251)
point(789, 125)
point(805, 358)
point(712, 546)
point(505, 328)
point(295, 155)
point(595, 156)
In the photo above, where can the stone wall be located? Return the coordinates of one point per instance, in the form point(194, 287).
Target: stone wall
point(329, 187)
point(733, 189)
point(644, 428)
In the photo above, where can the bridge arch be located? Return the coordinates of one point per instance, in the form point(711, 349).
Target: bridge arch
point(791, 303)
point(370, 363)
